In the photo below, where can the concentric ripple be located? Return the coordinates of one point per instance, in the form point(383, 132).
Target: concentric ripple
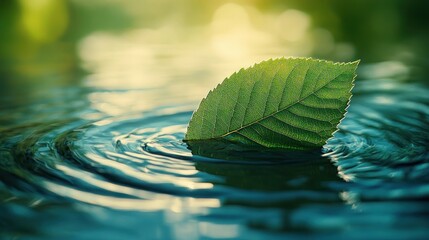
point(383, 142)
point(140, 163)
point(142, 158)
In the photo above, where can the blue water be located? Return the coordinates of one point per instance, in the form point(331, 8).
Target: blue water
point(70, 170)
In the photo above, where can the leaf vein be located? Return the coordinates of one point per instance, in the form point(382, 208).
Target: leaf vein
point(285, 135)
point(286, 107)
point(297, 127)
point(284, 88)
point(251, 139)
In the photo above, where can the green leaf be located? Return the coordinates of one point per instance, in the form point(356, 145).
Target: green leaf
point(287, 103)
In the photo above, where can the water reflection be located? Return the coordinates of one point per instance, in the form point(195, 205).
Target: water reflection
point(131, 164)
point(139, 58)
point(101, 153)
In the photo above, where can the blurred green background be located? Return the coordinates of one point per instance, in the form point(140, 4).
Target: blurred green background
point(58, 41)
point(77, 75)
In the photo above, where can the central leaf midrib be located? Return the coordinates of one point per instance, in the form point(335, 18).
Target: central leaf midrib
point(271, 114)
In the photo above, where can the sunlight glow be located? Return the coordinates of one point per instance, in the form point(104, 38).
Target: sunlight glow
point(293, 24)
point(384, 100)
point(44, 20)
point(186, 61)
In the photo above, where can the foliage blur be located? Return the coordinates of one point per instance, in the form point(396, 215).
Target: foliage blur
point(58, 41)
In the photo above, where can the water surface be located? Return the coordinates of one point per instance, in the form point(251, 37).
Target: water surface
point(95, 101)
point(78, 159)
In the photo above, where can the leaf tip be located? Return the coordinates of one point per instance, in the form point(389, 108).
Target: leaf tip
point(355, 63)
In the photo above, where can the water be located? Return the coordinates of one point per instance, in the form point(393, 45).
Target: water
point(82, 161)
point(95, 97)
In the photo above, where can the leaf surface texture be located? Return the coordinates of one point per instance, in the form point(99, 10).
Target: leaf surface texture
point(292, 103)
